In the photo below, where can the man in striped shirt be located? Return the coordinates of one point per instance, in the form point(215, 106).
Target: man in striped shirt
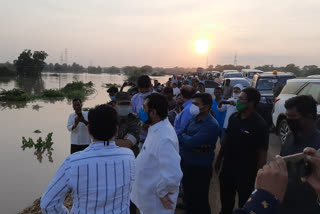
point(100, 177)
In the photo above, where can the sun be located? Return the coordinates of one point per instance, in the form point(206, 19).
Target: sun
point(202, 45)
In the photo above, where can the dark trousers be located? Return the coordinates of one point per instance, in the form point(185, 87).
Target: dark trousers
point(230, 185)
point(77, 148)
point(195, 184)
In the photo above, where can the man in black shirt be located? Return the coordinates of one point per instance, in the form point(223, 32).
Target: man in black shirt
point(243, 151)
point(301, 114)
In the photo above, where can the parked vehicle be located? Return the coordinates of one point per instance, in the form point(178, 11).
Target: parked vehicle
point(232, 75)
point(294, 87)
point(249, 73)
point(233, 81)
point(209, 86)
point(264, 83)
point(228, 71)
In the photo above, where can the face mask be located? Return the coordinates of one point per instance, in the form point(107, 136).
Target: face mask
point(194, 110)
point(143, 116)
point(113, 98)
point(236, 95)
point(123, 110)
point(145, 94)
point(293, 124)
point(240, 106)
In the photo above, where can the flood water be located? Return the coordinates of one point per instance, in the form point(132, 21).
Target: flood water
point(23, 178)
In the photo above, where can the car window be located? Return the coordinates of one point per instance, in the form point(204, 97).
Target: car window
point(233, 75)
point(292, 87)
point(284, 79)
point(264, 84)
point(244, 83)
point(312, 89)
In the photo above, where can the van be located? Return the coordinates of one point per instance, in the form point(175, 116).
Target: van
point(249, 73)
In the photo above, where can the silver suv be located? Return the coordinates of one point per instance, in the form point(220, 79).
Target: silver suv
point(294, 87)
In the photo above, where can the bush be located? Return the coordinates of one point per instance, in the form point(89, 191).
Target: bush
point(14, 95)
point(51, 93)
point(6, 72)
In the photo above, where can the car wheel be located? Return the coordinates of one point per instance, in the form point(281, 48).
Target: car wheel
point(283, 131)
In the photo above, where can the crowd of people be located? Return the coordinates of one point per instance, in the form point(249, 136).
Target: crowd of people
point(149, 145)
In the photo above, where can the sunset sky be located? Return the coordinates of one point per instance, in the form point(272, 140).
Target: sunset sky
point(162, 33)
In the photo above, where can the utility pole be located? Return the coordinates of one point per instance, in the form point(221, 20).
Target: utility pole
point(235, 59)
point(66, 56)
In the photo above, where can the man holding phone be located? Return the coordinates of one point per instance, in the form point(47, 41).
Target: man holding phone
point(77, 125)
point(301, 114)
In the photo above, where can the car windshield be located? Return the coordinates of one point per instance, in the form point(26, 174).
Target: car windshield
point(265, 84)
point(232, 75)
point(210, 84)
point(244, 83)
point(251, 74)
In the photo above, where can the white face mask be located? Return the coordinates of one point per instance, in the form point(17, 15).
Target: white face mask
point(236, 95)
point(123, 110)
point(194, 110)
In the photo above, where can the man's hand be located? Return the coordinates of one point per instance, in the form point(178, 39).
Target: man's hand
point(221, 103)
point(232, 103)
point(313, 159)
point(273, 178)
point(167, 202)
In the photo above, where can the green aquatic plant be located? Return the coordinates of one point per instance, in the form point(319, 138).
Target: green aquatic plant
point(36, 107)
point(77, 89)
point(40, 146)
point(52, 93)
point(37, 131)
point(15, 94)
point(109, 85)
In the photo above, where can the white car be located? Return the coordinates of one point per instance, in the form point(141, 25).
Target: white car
point(249, 73)
point(294, 87)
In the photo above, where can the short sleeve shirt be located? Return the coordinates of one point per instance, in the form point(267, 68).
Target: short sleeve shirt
point(245, 137)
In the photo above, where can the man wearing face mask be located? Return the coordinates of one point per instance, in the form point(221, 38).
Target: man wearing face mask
point(229, 106)
point(243, 151)
point(129, 124)
point(158, 174)
point(112, 92)
point(197, 144)
point(301, 114)
point(183, 118)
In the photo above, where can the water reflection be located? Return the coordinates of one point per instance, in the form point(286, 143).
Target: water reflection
point(13, 105)
point(30, 84)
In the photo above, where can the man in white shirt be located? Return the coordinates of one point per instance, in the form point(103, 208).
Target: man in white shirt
point(158, 173)
point(176, 90)
point(100, 177)
point(77, 125)
point(229, 106)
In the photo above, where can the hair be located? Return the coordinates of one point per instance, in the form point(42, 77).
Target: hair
point(175, 84)
point(77, 100)
point(228, 80)
point(103, 122)
point(188, 91)
point(168, 90)
point(253, 95)
point(144, 81)
point(159, 103)
point(218, 88)
point(205, 98)
point(305, 105)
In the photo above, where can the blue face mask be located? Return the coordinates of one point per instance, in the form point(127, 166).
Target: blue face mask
point(143, 116)
point(113, 98)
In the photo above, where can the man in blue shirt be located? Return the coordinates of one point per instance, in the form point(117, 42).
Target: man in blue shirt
point(220, 116)
point(182, 119)
point(197, 143)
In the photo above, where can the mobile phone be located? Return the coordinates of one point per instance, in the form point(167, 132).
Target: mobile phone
point(297, 165)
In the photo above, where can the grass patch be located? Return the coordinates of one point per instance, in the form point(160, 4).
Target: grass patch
point(109, 85)
point(76, 89)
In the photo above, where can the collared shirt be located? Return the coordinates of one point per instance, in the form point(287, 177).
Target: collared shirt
point(300, 197)
point(244, 138)
point(198, 141)
point(183, 118)
point(158, 170)
point(79, 135)
point(100, 178)
point(260, 202)
point(229, 109)
point(220, 115)
point(137, 101)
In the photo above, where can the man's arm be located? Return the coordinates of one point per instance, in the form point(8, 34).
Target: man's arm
point(169, 170)
point(71, 123)
point(262, 151)
point(206, 133)
point(53, 198)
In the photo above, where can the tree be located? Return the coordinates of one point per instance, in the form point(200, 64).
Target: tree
point(293, 69)
point(112, 70)
point(29, 64)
